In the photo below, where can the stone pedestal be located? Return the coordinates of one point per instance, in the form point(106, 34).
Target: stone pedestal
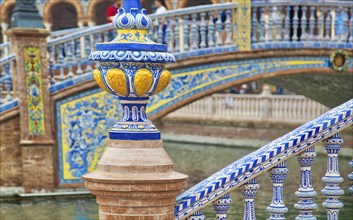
point(31, 85)
point(135, 180)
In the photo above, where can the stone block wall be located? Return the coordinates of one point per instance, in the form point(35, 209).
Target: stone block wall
point(10, 153)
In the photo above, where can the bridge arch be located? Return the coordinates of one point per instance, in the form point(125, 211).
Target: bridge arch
point(6, 7)
point(49, 5)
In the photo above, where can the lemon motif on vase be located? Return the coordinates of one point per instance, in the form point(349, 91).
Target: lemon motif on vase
point(142, 81)
point(163, 82)
point(98, 78)
point(117, 81)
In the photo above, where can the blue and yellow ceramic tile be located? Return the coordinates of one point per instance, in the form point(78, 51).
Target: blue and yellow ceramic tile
point(244, 25)
point(33, 68)
point(83, 124)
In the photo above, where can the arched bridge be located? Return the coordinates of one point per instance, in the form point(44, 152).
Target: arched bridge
point(286, 43)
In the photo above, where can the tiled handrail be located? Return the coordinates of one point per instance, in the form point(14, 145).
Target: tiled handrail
point(214, 190)
point(252, 107)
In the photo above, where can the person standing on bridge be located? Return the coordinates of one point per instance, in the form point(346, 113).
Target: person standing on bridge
point(111, 12)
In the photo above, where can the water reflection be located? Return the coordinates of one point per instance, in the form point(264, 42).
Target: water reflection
point(198, 162)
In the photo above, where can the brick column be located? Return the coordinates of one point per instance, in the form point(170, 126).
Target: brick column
point(31, 85)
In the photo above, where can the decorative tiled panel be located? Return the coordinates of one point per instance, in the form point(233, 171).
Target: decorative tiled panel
point(35, 105)
point(244, 25)
point(83, 122)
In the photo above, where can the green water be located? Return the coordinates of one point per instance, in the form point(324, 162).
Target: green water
point(198, 162)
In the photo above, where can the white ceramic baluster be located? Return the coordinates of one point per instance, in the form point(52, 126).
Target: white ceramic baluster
point(186, 32)
point(277, 208)
point(312, 23)
point(221, 206)
point(337, 35)
point(219, 26)
point(61, 62)
point(295, 24)
point(253, 24)
point(320, 25)
point(211, 29)
point(303, 23)
point(197, 216)
point(332, 178)
point(177, 34)
point(262, 24)
point(194, 38)
point(78, 57)
point(306, 192)
point(160, 31)
point(287, 24)
point(279, 23)
point(69, 59)
point(203, 30)
point(228, 26)
point(249, 192)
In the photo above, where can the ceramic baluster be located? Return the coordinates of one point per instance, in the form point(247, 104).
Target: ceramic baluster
point(7, 80)
point(203, 30)
point(197, 216)
point(221, 206)
point(320, 25)
point(270, 25)
point(211, 30)
point(337, 36)
point(328, 24)
point(332, 178)
point(254, 24)
point(249, 192)
point(169, 35)
point(279, 24)
point(78, 58)
point(277, 208)
point(306, 192)
point(177, 34)
point(312, 23)
point(351, 27)
point(194, 33)
point(262, 24)
point(303, 24)
point(295, 24)
point(228, 27)
point(350, 176)
point(69, 59)
point(219, 26)
point(88, 51)
point(61, 62)
point(51, 63)
point(160, 31)
point(287, 24)
point(186, 32)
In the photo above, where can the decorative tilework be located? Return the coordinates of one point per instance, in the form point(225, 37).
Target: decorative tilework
point(279, 150)
point(35, 105)
point(187, 82)
point(83, 122)
point(244, 25)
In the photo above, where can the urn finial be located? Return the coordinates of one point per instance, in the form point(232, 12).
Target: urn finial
point(132, 68)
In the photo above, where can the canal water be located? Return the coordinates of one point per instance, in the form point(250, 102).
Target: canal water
point(198, 162)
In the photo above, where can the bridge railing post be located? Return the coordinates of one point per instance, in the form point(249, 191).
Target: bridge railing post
point(266, 104)
point(31, 83)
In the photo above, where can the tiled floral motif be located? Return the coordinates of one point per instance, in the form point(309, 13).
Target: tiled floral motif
point(35, 105)
point(244, 25)
point(83, 122)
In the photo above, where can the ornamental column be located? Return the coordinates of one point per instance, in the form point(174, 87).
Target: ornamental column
point(135, 176)
point(31, 84)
